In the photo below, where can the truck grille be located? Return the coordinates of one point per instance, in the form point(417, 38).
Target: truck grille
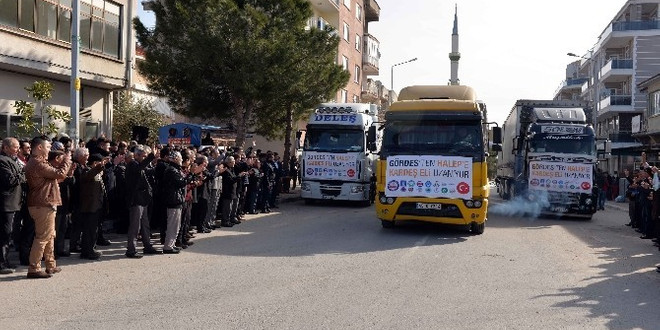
point(447, 211)
point(330, 190)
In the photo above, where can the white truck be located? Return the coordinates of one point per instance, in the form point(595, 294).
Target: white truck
point(337, 163)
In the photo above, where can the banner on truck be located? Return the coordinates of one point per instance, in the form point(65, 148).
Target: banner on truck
point(319, 165)
point(429, 176)
point(563, 177)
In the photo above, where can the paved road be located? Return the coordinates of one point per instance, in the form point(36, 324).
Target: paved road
point(320, 267)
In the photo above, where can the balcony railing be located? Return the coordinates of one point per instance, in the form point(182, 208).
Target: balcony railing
point(622, 64)
point(636, 25)
point(573, 82)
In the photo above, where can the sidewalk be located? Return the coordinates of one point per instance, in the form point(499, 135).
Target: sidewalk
point(292, 196)
point(617, 206)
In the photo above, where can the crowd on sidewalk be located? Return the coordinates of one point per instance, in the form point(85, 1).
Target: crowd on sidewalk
point(56, 196)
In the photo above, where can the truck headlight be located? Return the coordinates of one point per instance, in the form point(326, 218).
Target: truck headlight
point(477, 203)
point(588, 201)
point(357, 189)
point(305, 186)
point(390, 200)
point(469, 203)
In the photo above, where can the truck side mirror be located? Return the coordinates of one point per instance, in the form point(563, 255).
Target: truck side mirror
point(497, 135)
point(371, 138)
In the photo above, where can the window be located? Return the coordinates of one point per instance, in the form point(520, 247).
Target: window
point(347, 3)
point(64, 26)
point(356, 76)
point(100, 21)
point(356, 99)
point(345, 62)
point(27, 16)
point(47, 18)
point(654, 103)
point(358, 12)
point(344, 96)
point(9, 13)
point(358, 42)
point(346, 31)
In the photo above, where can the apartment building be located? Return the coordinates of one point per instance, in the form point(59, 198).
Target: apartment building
point(626, 53)
point(35, 45)
point(358, 51)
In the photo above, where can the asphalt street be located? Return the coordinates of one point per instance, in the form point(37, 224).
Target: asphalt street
point(334, 267)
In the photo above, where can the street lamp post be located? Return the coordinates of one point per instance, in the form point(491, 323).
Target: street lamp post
point(392, 76)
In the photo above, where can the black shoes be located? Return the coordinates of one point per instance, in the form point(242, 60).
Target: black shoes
point(151, 250)
point(96, 255)
point(227, 224)
point(133, 255)
point(103, 242)
point(7, 270)
point(172, 251)
point(646, 237)
point(236, 222)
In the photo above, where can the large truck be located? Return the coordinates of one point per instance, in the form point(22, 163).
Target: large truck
point(549, 157)
point(432, 164)
point(336, 161)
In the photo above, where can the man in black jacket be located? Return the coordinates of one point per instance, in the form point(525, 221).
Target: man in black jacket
point(228, 196)
point(11, 179)
point(138, 195)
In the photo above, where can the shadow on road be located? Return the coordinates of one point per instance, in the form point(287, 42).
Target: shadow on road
point(626, 291)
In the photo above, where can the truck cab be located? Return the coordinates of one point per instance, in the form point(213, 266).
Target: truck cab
point(337, 163)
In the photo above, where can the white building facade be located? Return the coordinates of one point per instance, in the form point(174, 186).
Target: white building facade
point(36, 45)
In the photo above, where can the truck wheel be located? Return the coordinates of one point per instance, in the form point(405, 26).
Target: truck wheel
point(366, 203)
point(309, 201)
point(506, 188)
point(478, 228)
point(387, 224)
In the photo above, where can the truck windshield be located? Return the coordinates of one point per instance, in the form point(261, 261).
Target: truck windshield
point(433, 138)
point(334, 140)
point(567, 144)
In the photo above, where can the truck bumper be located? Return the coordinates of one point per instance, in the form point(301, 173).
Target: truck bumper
point(452, 211)
point(345, 191)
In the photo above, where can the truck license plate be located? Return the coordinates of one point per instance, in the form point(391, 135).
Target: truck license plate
point(327, 197)
point(429, 206)
point(560, 209)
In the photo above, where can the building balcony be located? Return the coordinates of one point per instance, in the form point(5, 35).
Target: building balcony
point(613, 104)
point(616, 71)
point(619, 34)
point(370, 92)
point(325, 6)
point(571, 85)
point(370, 55)
point(371, 11)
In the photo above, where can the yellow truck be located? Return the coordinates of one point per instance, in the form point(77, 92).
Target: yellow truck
point(432, 163)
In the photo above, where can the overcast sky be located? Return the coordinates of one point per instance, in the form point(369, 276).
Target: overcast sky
point(510, 49)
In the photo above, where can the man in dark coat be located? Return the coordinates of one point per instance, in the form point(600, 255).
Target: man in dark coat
point(138, 196)
point(12, 178)
point(228, 196)
point(91, 204)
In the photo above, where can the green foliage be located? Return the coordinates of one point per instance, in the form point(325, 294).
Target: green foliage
point(492, 165)
point(129, 112)
point(245, 62)
point(40, 91)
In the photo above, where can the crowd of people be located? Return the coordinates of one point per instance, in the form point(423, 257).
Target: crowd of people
point(57, 196)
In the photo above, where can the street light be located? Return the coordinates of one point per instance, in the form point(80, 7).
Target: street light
point(392, 75)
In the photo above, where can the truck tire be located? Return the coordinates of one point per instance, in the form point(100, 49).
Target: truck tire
point(477, 228)
point(506, 190)
point(387, 224)
point(309, 201)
